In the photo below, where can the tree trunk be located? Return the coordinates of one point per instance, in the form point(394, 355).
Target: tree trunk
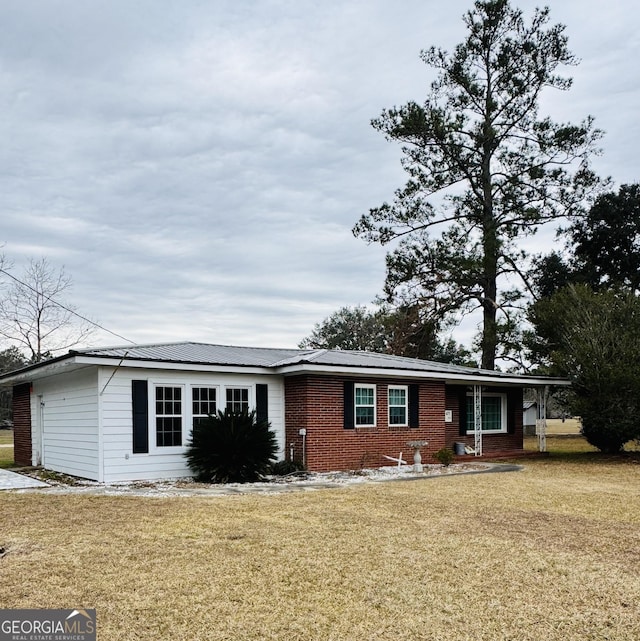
point(490, 242)
point(489, 329)
point(490, 246)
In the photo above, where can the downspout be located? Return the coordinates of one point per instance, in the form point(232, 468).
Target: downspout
point(37, 456)
point(303, 433)
point(100, 430)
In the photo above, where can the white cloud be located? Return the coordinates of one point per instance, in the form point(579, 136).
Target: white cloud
point(197, 167)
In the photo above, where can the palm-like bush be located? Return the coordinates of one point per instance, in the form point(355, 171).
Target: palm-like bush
point(231, 447)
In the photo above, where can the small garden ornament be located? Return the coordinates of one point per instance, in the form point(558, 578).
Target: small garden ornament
point(417, 457)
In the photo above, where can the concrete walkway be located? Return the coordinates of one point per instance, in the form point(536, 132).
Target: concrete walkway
point(12, 481)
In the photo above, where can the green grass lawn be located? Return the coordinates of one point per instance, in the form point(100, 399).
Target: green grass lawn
point(547, 553)
point(6, 453)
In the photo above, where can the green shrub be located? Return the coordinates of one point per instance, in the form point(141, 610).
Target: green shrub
point(608, 421)
point(231, 447)
point(444, 456)
point(282, 468)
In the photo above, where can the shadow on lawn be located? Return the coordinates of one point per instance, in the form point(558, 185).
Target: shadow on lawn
point(575, 449)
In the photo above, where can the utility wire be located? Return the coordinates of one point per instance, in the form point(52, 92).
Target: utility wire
point(67, 309)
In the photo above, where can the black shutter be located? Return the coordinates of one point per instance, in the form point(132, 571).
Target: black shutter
point(462, 411)
point(262, 403)
point(414, 406)
point(140, 403)
point(512, 397)
point(349, 418)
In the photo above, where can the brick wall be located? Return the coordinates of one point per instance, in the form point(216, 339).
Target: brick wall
point(316, 403)
point(490, 442)
point(22, 424)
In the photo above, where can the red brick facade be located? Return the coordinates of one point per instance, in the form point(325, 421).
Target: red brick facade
point(511, 441)
point(22, 424)
point(316, 403)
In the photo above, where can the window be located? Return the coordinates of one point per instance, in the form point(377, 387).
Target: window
point(365, 405)
point(238, 399)
point(494, 413)
point(398, 398)
point(168, 416)
point(203, 402)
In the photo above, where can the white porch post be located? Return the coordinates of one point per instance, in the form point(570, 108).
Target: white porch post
point(541, 421)
point(477, 419)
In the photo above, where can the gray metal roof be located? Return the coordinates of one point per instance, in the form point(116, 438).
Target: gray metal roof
point(386, 361)
point(285, 361)
point(206, 354)
point(197, 353)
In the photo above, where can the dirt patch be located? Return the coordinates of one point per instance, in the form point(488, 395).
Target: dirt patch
point(299, 481)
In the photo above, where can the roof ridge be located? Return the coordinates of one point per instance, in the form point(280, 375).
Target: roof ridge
point(97, 348)
point(302, 355)
point(317, 353)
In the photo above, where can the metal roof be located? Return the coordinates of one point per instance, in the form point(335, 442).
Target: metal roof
point(283, 361)
point(206, 354)
point(196, 353)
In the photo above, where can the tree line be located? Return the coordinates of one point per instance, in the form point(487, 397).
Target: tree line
point(486, 171)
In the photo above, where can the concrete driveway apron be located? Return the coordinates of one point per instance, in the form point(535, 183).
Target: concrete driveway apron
point(12, 481)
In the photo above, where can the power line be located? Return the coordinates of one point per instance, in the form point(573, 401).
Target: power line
point(67, 309)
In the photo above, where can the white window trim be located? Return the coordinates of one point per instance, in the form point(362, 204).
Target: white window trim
point(154, 448)
point(356, 405)
point(250, 395)
point(503, 412)
point(406, 405)
point(187, 411)
point(192, 415)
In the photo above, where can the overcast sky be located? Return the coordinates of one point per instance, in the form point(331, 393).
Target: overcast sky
point(197, 166)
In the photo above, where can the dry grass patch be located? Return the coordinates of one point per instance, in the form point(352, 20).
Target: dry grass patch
point(568, 426)
point(6, 453)
point(549, 553)
point(6, 457)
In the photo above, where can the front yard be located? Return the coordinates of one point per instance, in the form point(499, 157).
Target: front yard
point(551, 553)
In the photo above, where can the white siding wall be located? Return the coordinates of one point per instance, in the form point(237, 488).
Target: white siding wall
point(120, 463)
point(66, 426)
